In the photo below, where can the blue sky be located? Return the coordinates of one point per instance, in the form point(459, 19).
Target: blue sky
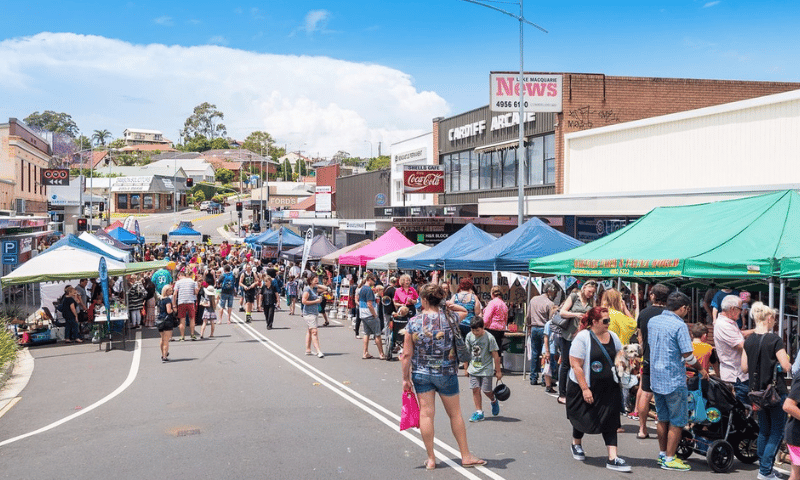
point(324, 76)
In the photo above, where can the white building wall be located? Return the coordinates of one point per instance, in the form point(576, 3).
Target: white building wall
point(749, 143)
point(413, 151)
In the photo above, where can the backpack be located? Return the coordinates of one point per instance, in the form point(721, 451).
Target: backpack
point(227, 283)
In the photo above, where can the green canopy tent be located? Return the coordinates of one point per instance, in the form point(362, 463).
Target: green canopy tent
point(745, 242)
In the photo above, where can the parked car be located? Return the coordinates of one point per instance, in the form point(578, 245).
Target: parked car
point(215, 207)
point(204, 206)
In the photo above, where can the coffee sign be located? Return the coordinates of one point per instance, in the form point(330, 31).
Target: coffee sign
point(423, 179)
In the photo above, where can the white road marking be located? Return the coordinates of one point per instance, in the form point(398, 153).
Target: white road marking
point(137, 355)
point(364, 403)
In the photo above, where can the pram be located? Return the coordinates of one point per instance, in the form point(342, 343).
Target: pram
point(395, 328)
point(730, 431)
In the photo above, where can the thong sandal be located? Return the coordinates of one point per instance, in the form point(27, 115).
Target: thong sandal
point(430, 466)
point(643, 437)
point(479, 463)
point(367, 357)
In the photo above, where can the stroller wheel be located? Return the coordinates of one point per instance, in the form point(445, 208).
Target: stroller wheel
point(684, 450)
point(720, 456)
point(744, 448)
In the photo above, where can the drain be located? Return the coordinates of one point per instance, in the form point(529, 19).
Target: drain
point(188, 432)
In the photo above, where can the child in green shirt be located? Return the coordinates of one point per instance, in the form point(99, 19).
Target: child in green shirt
point(484, 365)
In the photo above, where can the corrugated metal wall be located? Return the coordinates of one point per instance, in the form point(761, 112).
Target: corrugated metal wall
point(543, 124)
point(355, 195)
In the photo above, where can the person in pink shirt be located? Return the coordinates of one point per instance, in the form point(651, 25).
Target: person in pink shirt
point(405, 295)
point(495, 316)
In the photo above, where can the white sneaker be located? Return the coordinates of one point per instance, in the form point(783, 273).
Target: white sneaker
point(771, 476)
point(320, 355)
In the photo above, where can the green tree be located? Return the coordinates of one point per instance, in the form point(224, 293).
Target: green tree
point(286, 170)
point(53, 122)
point(197, 144)
point(224, 176)
point(205, 121)
point(83, 143)
point(199, 196)
point(262, 142)
point(379, 163)
point(219, 144)
point(301, 168)
point(100, 137)
point(118, 143)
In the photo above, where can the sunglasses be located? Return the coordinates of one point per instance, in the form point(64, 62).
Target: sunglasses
point(607, 321)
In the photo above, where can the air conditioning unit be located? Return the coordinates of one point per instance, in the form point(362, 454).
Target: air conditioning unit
point(19, 205)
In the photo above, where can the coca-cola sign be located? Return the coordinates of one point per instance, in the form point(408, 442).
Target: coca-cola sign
point(423, 179)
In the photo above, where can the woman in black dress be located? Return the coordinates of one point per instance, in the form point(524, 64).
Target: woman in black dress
point(593, 394)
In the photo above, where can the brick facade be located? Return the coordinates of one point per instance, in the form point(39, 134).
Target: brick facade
point(596, 100)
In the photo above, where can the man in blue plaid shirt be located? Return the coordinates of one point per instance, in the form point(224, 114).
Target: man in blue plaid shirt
point(670, 349)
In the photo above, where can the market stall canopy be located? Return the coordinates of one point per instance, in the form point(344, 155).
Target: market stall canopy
point(184, 231)
point(513, 251)
point(747, 238)
point(113, 226)
point(71, 263)
point(271, 238)
point(261, 236)
point(106, 246)
point(71, 240)
point(125, 236)
point(465, 241)
point(333, 258)
point(320, 247)
point(389, 261)
point(390, 241)
point(109, 240)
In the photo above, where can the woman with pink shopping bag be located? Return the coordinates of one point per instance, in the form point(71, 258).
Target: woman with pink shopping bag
point(430, 365)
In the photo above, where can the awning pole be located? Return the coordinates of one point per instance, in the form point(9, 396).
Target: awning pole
point(782, 307)
point(525, 327)
point(771, 293)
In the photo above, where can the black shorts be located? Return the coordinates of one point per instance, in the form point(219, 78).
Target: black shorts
point(249, 296)
point(167, 324)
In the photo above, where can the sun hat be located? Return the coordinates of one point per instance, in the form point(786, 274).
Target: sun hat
point(210, 291)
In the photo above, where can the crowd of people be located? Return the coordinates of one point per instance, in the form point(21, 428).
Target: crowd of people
point(576, 339)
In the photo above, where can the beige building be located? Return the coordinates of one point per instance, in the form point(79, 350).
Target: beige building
point(138, 136)
point(23, 156)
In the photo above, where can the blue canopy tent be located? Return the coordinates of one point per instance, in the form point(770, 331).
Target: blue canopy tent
point(465, 241)
point(71, 240)
point(514, 250)
point(259, 237)
point(290, 239)
point(184, 231)
point(125, 236)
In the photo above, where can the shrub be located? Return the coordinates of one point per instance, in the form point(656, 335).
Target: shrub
point(8, 344)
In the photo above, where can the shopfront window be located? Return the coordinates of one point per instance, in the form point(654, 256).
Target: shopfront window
point(485, 160)
point(135, 200)
point(158, 202)
point(474, 170)
point(465, 170)
point(122, 200)
point(147, 201)
point(497, 169)
point(535, 154)
point(510, 167)
point(455, 177)
point(549, 159)
point(447, 168)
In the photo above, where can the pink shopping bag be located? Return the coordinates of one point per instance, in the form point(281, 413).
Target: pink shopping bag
point(409, 417)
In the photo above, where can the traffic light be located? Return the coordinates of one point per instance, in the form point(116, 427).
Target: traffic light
point(81, 224)
point(189, 181)
point(238, 206)
point(102, 206)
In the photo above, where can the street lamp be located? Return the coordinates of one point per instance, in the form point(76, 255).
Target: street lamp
point(521, 147)
point(370, 148)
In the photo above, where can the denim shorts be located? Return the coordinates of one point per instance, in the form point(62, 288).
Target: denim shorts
point(673, 407)
point(226, 300)
point(446, 385)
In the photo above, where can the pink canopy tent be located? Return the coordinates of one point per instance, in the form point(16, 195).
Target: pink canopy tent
point(389, 242)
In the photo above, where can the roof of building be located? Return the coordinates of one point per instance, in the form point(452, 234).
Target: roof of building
point(148, 148)
point(142, 130)
point(175, 154)
point(237, 155)
point(189, 165)
point(145, 170)
point(97, 157)
point(308, 204)
point(217, 162)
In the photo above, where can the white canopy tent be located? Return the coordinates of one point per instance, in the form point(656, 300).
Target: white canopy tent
point(389, 261)
point(115, 252)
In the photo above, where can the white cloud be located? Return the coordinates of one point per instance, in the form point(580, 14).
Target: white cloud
point(711, 4)
point(316, 20)
point(218, 40)
point(328, 104)
point(165, 20)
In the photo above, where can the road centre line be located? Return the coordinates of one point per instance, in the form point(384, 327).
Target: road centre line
point(137, 356)
point(360, 401)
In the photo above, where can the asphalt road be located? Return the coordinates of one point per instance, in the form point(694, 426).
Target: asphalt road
point(250, 404)
point(155, 225)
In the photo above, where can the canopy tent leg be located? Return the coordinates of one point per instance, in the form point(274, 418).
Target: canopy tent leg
point(782, 306)
point(619, 284)
point(771, 293)
point(526, 330)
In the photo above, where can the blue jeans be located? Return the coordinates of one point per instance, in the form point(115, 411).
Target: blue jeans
point(770, 433)
point(537, 338)
point(72, 330)
point(741, 388)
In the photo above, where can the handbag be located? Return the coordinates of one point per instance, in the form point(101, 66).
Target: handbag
point(697, 404)
point(560, 321)
point(409, 415)
point(768, 397)
point(462, 352)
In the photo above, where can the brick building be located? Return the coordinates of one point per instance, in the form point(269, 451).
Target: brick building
point(23, 156)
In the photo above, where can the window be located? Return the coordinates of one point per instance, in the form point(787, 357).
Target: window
point(147, 201)
point(510, 167)
point(122, 201)
point(485, 160)
point(474, 167)
point(135, 200)
point(497, 169)
point(158, 202)
point(464, 169)
point(535, 153)
point(550, 159)
point(455, 170)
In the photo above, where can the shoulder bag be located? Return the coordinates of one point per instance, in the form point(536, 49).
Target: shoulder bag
point(767, 398)
point(462, 352)
point(605, 353)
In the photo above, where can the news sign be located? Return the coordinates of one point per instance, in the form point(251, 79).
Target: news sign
point(423, 179)
point(542, 93)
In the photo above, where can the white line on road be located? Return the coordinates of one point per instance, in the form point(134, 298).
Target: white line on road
point(361, 401)
point(137, 355)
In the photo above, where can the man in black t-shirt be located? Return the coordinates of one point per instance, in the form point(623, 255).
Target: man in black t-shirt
point(658, 298)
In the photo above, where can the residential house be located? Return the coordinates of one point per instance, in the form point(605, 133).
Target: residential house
point(138, 136)
point(198, 169)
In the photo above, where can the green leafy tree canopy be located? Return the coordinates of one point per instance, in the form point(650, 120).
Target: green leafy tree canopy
point(224, 176)
point(220, 144)
point(53, 122)
point(262, 142)
point(100, 137)
point(205, 121)
point(379, 163)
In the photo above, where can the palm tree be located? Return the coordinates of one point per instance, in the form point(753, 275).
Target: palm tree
point(100, 137)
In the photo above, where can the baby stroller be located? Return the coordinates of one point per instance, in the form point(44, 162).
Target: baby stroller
point(729, 431)
point(395, 333)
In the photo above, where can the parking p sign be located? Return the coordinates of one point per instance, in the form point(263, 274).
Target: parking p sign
point(10, 252)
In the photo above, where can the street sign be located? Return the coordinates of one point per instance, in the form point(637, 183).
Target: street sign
point(55, 177)
point(10, 247)
point(10, 259)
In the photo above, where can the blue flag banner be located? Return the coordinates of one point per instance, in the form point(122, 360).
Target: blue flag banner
point(104, 284)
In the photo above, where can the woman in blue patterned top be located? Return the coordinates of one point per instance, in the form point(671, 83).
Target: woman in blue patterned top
point(430, 365)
